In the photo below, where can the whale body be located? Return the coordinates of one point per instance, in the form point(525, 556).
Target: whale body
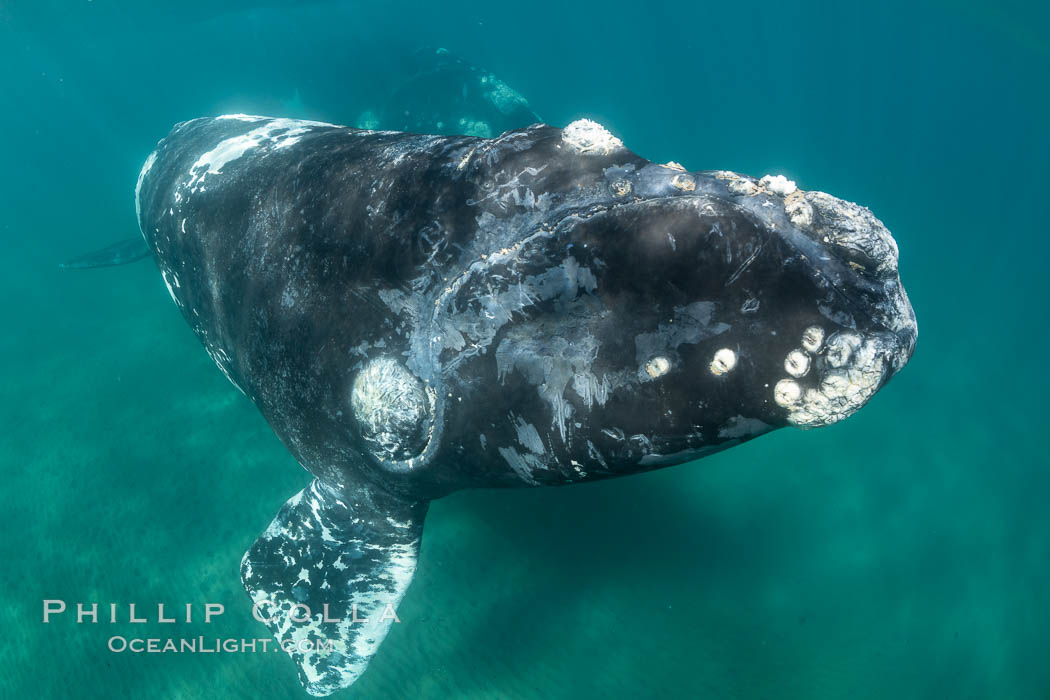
point(418, 314)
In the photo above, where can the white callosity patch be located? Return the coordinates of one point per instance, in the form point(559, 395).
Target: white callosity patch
point(724, 361)
point(620, 187)
point(274, 134)
point(393, 410)
point(841, 347)
point(738, 184)
point(796, 363)
point(683, 182)
point(798, 209)
point(813, 339)
point(657, 366)
point(787, 392)
point(586, 136)
point(778, 184)
point(743, 186)
point(854, 369)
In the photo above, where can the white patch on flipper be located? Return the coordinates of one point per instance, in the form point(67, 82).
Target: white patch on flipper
point(587, 136)
point(332, 653)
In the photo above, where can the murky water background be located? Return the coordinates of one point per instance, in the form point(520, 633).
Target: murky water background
point(904, 553)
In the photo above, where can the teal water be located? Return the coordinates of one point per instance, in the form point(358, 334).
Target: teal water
point(903, 553)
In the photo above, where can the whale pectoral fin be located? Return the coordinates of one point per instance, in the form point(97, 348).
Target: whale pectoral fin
point(119, 253)
point(327, 575)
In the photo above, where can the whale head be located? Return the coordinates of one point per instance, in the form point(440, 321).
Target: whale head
point(679, 313)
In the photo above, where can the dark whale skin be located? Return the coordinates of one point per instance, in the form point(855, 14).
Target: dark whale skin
point(419, 314)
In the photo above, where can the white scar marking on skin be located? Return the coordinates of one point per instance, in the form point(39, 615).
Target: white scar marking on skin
point(146, 167)
point(212, 162)
point(522, 465)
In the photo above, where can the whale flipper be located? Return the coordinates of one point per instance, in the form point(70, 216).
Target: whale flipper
point(119, 253)
point(327, 575)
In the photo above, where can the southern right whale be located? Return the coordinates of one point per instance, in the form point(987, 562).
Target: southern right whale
point(417, 314)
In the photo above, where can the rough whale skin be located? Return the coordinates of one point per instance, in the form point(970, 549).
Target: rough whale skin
point(419, 314)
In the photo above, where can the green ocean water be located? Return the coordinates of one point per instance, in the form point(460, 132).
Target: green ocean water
point(904, 553)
